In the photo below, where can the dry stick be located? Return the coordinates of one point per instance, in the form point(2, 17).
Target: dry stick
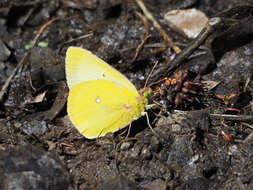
point(225, 116)
point(42, 28)
point(157, 82)
point(146, 37)
point(8, 81)
point(30, 80)
point(158, 50)
point(78, 38)
point(158, 26)
point(248, 138)
point(247, 125)
point(60, 100)
point(169, 69)
point(23, 60)
point(154, 45)
point(233, 117)
point(17, 4)
point(28, 15)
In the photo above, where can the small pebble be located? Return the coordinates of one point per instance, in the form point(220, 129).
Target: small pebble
point(189, 21)
point(4, 52)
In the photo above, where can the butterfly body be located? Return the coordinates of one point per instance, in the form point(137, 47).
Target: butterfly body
point(101, 99)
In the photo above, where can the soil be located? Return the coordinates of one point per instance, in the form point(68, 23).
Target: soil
point(203, 123)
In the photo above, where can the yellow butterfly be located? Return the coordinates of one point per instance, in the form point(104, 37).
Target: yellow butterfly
point(101, 99)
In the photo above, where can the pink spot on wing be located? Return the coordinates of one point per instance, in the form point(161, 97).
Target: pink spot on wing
point(127, 107)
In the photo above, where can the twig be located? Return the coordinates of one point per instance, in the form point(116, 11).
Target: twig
point(35, 40)
point(157, 82)
point(60, 100)
point(21, 4)
point(233, 117)
point(28, 15)
point(248, 138)
point(168, 69)
point(78, 38)
point(158, 26)
point(28, 3)
point(246, 84)
point(24, 59)
point(224, 116)
point(154, 45)
point(247, 125)
point(42, 28)
point(146, 37)
point(8, 81)
point(158, 50)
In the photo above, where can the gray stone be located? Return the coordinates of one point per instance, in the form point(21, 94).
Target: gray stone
point(4, 52)
point(27, 167)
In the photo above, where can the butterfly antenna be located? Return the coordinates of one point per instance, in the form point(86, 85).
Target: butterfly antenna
point(150, 74)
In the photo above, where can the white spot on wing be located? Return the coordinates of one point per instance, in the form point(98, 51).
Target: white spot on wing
point(98, 100)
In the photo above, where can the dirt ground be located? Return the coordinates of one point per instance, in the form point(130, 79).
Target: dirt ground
point(203, 120)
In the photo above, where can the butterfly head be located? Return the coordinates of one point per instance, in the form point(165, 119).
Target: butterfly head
point(144, 95)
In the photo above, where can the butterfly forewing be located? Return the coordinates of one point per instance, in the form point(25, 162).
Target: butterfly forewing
point(82, 66)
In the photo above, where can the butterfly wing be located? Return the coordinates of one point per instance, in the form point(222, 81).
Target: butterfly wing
point(82, 66)
point(98, 107)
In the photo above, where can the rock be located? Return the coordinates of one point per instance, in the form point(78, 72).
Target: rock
point(119, 183)
point(4, 52)
point(157, 184)
point(196, 184)
point(27, 167)
point(126, 145)
point(189, 21)
point(35, 127)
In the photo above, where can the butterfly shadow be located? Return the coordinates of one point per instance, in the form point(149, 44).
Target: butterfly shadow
point(140, 125)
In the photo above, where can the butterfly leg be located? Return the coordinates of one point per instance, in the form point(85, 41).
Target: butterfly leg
point(130, 125)
point(155, 133)
point(128, 131)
